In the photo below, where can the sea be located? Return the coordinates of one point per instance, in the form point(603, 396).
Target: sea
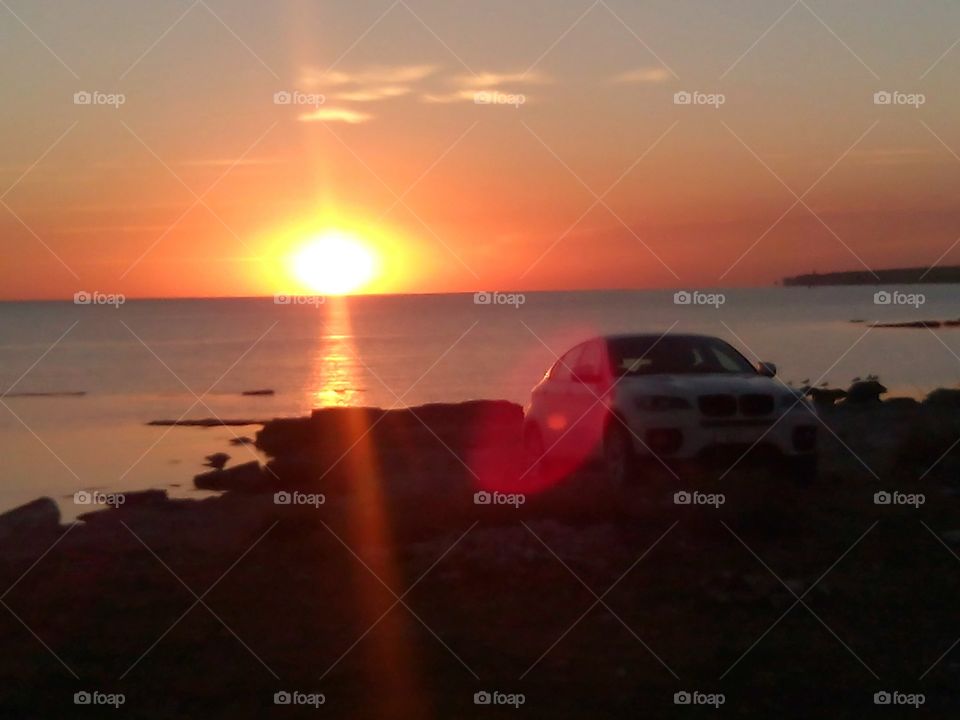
point(79, 383)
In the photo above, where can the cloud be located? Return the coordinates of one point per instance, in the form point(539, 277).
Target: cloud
point(493, 79)
point(383, 82)
point(445, 98)
point(335, 114)
point(642, 76)
point(490, 83)
point(372, 75)
point(366, 85)
point(373, 94)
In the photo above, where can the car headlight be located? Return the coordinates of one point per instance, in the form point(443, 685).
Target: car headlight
point(657, 403)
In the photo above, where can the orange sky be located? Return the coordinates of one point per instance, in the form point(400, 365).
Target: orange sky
point(583, 173)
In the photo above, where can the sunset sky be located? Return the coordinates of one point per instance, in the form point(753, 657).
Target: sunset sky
point(584, 174)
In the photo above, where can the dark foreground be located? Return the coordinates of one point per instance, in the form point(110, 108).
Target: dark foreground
point(400, 597)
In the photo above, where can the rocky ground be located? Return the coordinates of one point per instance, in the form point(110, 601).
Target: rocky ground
point(398, 596)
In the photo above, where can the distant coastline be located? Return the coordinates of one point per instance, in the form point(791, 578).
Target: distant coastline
point(894, 276)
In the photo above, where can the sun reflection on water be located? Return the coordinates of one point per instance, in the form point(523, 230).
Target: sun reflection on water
point(335, 379)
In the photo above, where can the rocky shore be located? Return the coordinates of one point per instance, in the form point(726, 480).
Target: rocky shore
point(357, 565)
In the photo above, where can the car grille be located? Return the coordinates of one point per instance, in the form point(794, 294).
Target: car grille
point(756, 404)
point(728, 406)
point(717, 405)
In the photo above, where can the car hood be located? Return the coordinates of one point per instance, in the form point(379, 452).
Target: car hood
point(693, 385)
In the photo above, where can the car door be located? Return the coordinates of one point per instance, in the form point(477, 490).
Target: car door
point(555, 401)
point(585, 401)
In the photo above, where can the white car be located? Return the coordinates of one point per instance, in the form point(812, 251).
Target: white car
point(624, 398)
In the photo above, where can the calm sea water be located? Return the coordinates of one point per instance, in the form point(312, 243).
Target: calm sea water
point(149, 360)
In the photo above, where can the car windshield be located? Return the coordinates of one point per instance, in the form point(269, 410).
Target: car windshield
point(651, 355)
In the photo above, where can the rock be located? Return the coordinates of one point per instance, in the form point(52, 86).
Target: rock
point(931, 439)
point(253, 393)
point(921, 324)
point(217, 461)
point(865, 392)
point(826, 397)
point(205, 422)
point(330, 431)
point(144, 497)
point(38, 518)
point(248, 477)
point(951, 537)
point(944, 397)
point(139, 501)
point(795, 586)
point(242, 440)
point(727, 587)
point(324, 451)
point(931, 324)
point(901, 403)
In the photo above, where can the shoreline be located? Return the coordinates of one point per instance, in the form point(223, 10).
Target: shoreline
point(497, 582)
point(277, 436)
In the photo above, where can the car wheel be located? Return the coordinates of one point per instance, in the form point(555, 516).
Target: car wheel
point(619, 461)
point(803, 469)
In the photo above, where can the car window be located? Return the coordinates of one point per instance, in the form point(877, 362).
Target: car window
point(726, 360)
point(588, 363)
point(697, 359)
point(563, 368)
point(646, 355)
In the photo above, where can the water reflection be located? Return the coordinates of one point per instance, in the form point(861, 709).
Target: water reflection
point(335, 377)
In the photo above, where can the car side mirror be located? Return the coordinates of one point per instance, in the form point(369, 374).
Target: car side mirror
point(767, 369)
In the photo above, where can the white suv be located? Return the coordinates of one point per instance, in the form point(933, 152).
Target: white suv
point(623, 398)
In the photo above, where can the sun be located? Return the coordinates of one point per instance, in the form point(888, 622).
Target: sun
point(334, 263)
